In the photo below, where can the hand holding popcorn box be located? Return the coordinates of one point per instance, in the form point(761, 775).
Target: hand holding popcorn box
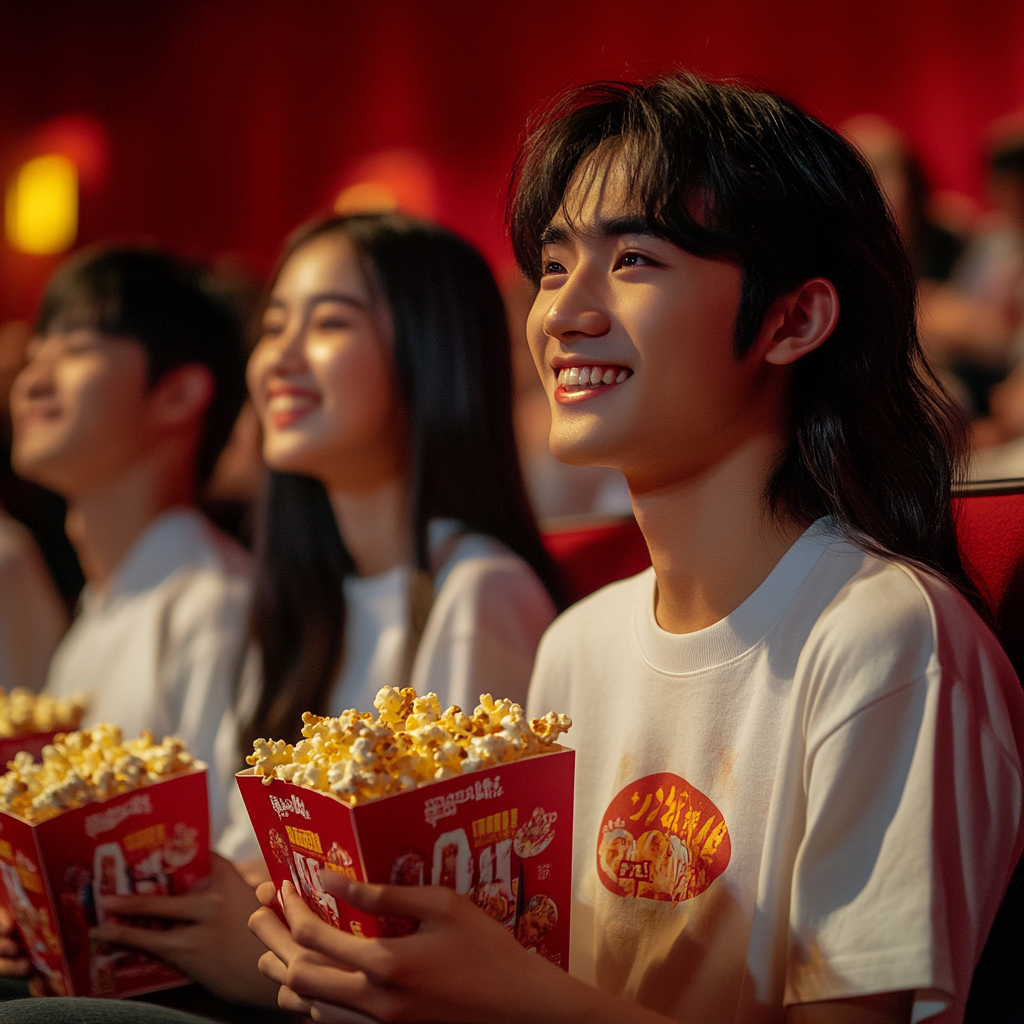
point(98, 817)
point(29, 721)
point(480, 803)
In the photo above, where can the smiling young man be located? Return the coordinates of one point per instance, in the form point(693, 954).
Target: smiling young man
point(130, 392)
point(798, 791)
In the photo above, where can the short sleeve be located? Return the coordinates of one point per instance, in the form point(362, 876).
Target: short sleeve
point(912, 822)
point(483, 631)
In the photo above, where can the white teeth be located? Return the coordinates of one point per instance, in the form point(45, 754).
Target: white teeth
point(590, 376)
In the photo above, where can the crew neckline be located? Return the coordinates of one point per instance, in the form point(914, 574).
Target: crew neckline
point(742, 629)
point(178, 537)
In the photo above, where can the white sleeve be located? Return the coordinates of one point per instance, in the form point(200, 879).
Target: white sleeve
point(198, 670)
point(913, 817)
point(483, 631)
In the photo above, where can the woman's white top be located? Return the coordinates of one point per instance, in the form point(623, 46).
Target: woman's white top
point(488, 615)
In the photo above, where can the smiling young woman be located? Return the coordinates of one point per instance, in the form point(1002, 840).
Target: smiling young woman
point(394, 540)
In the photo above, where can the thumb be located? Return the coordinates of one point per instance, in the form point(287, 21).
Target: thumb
point(415, 901)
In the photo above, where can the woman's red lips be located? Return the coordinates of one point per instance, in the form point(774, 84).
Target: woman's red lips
point(287, 405)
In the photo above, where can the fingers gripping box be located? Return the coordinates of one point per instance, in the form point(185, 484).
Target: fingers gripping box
point(151, 840)
point(501, 836)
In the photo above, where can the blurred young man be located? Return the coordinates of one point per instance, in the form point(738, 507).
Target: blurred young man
point(798, 775)
point(132, 386)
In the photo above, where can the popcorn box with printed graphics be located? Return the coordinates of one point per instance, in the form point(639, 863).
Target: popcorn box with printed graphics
point(501, 835)
point(33, 743)
point(151, 840)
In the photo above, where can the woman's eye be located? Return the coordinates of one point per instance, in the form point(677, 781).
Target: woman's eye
point(332, 323)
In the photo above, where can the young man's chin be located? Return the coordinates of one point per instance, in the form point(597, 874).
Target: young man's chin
point(46, 469)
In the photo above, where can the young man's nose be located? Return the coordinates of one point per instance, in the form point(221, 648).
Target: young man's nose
point(574, 313)
point(34, 381)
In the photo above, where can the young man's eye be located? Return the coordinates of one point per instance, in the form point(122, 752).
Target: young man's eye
point(633, 259)
point(549, 267)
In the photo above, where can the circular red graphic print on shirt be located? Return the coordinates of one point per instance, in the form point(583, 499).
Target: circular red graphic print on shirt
point(662, 839)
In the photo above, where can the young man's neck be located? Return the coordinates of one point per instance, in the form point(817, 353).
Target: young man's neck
point(374, 525)
point(104, 523)
point(711, 539)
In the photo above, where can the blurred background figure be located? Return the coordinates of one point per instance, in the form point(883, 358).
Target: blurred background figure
point(33, 617)
point(132, 386)
point(974, 325)
point(933, 236)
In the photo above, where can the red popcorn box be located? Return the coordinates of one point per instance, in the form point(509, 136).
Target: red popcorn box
point(152, 840)
point(33, 743)
point(502, 836)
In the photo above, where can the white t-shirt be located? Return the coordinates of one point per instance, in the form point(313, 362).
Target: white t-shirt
point(32, 615)
point(159, 648)
point(489, 613)
point(817, 797)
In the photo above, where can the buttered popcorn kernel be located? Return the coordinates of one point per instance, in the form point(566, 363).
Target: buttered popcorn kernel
point(84, 767)
point(23, 713)
point(412, 741)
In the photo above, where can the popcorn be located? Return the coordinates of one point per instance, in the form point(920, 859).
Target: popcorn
point(84, 767)
point(23, 713)
point(412, 741)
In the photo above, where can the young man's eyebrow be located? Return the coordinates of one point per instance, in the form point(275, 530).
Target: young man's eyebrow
point(551, 235)
point(613, 228)
point(630, 225)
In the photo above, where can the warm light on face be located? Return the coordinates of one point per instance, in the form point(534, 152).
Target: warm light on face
point(42, 206)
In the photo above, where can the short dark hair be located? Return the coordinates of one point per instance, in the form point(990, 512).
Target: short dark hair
point(452, 364)
point(162, 303)
point(723, 171)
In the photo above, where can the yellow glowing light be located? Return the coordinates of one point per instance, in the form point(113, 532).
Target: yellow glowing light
point(42, 205)
point(366, 197)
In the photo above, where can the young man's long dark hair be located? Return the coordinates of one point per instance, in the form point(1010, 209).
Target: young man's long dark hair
point(453, 367)
point(726, 172)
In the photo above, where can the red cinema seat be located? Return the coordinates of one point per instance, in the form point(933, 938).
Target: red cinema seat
point(594, 552)
point(990, 524)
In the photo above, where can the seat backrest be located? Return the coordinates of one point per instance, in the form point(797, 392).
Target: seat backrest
point(594, 552)
point(990, 527)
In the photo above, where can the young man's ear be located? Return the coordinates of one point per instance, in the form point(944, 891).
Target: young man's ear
point(182, 395)
point(799, 321)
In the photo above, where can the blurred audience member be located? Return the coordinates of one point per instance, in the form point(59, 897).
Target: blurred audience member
point(934, 247)
point(133, 384)
point(32, 616)
point(974, 325)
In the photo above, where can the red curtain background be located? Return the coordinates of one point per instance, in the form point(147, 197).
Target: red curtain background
point(227, 122)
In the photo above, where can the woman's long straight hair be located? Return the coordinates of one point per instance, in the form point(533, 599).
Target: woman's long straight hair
point(452, 363)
